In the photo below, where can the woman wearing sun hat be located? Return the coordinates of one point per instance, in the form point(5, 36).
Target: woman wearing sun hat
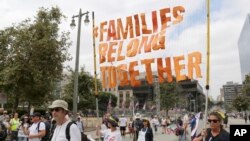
point(146, 133)
point(111, 134)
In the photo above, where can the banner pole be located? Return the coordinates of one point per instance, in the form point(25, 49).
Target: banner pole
point(95, 75)
point(208, 61)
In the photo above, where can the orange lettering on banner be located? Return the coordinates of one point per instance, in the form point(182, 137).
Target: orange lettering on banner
point(176, 12)
point(137, 25)
point(162, 70)
point(129, 28)
point(103, 74)
point(144, 43)
point(145, 29)
point(133, 74)
point(132, 48)
point(159, 41)
point(111, 51)
point(149, 75)
point(154, 21)
point(164, 18)
point(119, 57)
point(194, 61)
point(178, 67)
point(111, 77)
point(102, 29)
point(103, 47)
point(122, 75)
point(111, 30)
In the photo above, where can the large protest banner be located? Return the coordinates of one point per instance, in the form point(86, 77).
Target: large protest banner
point(168, 40)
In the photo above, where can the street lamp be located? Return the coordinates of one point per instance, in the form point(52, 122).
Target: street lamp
point(72, 25)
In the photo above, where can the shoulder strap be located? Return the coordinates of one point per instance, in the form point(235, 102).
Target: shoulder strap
point(38, 126)
point(67, 130)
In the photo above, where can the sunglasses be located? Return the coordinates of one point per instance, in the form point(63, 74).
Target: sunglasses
point(55, 109)
point(214, 121)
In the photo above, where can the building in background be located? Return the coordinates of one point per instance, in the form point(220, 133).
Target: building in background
point(244, 48)
point(221, 96)
point(231, 90)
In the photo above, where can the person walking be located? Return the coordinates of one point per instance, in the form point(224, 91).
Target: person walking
point(164, 124)
point(155, 123)
point(249, 117)
point(59, 109)
point(37, 129)
point(225, 120)
point(215, 132)
point(245, 117)
point(146, 133)
point(123, 125)
point(130, 127)
point(137, 125)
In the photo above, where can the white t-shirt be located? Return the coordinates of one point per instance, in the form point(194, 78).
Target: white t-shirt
point(155, 121)
point(34, 130)
point(21, 132)
point(103, 128)
point(163, 122)
point(60, 132)
point(123, 122)
point(112, 136)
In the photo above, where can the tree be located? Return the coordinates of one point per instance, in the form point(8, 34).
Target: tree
point(169, 95)
point(246, 85)
point(32, 55)
point(85, 90)
point(104, 100)
point(241, 103)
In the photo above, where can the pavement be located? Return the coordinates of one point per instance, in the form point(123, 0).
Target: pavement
point(158, 136)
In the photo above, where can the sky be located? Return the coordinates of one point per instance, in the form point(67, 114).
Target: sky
point(227, 19)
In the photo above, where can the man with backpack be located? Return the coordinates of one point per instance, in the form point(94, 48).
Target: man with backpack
point(65, 129)
point(47, 123)
point(37, 129)
point(137, 125)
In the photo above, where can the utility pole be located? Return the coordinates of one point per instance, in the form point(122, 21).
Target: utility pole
point(157, 93)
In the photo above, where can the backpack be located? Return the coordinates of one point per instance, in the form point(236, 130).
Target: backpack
point(83, 136)
point(3, 132)
point(138, 125)
point(47, 131)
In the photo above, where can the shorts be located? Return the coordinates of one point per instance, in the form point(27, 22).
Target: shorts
point(123, 128)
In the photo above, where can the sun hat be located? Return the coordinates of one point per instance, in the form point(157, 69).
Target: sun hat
point(137, 115)
point(113, 120)
point(59, 103)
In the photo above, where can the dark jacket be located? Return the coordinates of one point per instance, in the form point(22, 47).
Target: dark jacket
point(223, 136)
point(149, 134)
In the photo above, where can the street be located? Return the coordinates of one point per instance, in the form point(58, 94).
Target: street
point(172, 137)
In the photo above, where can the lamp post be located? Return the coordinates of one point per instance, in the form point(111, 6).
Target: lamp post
point(72, 25)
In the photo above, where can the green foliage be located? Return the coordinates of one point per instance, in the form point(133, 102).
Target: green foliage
point(246, 86)
point(104, 100)
point(169, 95)
point(241, 103)
point(86, 93)
point(32, 55)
